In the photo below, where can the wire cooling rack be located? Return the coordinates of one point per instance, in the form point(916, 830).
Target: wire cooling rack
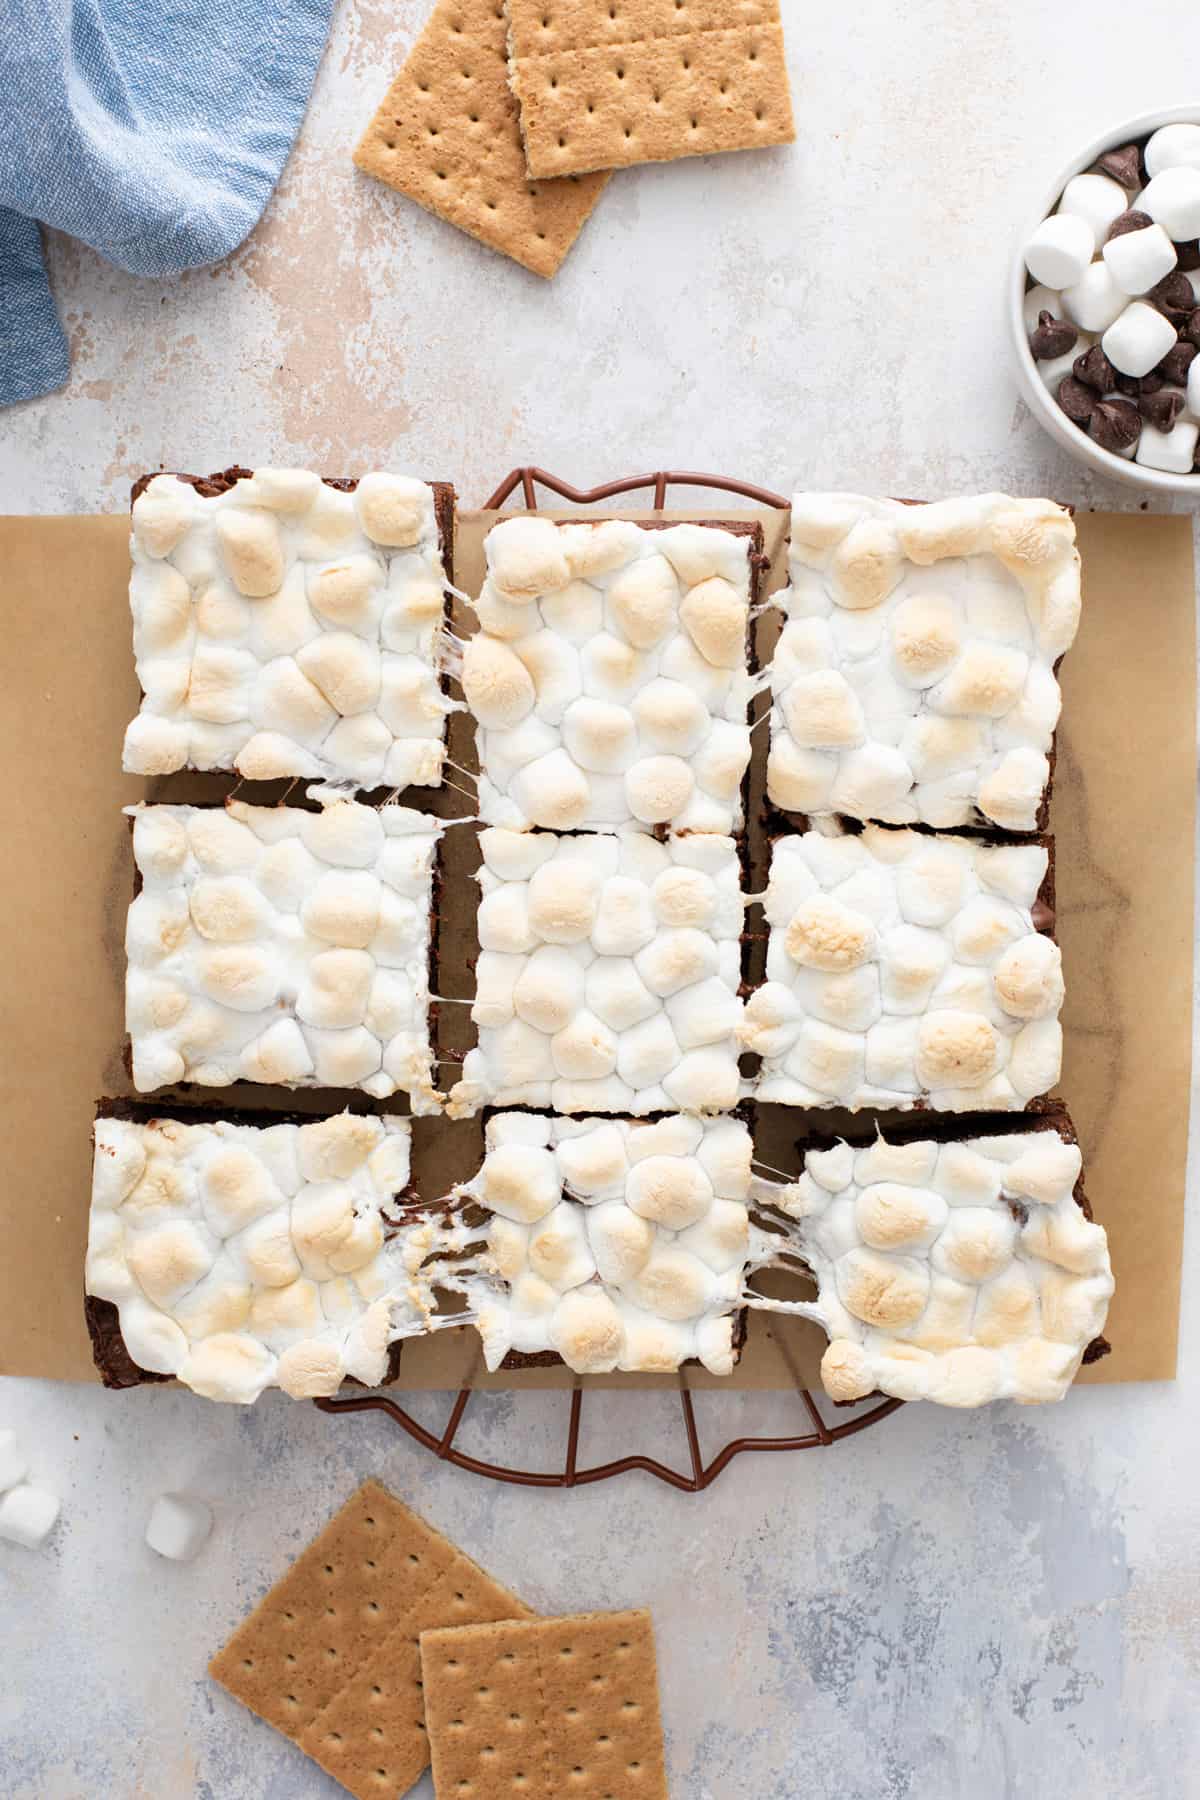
point(820, 1433)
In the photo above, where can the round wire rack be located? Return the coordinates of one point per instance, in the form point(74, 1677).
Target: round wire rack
point(820, 1436)
point(820, 1433)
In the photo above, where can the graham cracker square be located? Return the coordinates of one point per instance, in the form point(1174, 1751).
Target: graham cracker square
point(447, 135)
point(605, 83)
point(545, 1708)
point(330, 1656)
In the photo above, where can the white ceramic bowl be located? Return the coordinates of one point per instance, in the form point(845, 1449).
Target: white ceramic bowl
point(1037, 396)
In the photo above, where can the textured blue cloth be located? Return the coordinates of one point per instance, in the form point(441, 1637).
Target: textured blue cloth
point(154, 130)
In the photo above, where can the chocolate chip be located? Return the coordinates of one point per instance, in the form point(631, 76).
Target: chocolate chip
point(1053, 337)
point(1176, 363)
point(1094, 370)
point(1076, 400)
point(1189, 253)
point(1173, 296)
point(1124, 165)
point(1161, 410)
point(1191, 330)
point(1128, 221)
point(1135, 387)
point(1114, 424)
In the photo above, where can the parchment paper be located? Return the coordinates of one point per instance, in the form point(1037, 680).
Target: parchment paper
point(1123, 812)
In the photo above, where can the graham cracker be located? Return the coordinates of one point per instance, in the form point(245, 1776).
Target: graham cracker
point(545, 1708)
point(447, 135)
point(330, 1656)
point(604, 83)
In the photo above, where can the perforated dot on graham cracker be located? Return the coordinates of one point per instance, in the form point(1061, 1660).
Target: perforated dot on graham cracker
point(447, 135)
point(604, 83)
point(330, 1656)
point(545, 1708)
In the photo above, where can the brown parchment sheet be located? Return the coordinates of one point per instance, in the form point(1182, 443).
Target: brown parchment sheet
point(1123, 812)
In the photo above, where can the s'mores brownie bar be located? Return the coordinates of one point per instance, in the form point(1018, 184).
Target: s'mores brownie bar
point(288, 626)
point(612, 674)
point(905, 970)
point(282, 945)
point(950, 1266)
point(915, 680)
point(614, 1244)
point(609, 974)
point(263, 1251)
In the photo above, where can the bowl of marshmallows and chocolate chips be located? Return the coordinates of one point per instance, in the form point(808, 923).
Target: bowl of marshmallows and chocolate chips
point(1105, 304)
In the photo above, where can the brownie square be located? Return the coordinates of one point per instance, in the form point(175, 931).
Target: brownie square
point(915, 680)
point(908, 970)
point(289, 626)
point(283, 945)
point(612, 675)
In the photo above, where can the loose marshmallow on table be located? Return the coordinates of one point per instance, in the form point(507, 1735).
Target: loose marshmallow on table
point(610, 678)
point(1173, 451)
point(1172, 199)
point(285, 946)
point(960, 1271)
point(285, 627)
point(28, 1516)
point(178, 1526)
point(905, 969)
point(914, 679)
point(241, 1257)
point(1173, 147)
point(1137, 260)
point(14, 1464)
point(1060, 249)
point(1138, 340)
point(608, 974)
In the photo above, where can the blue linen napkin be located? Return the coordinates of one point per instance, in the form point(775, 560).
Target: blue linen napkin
point(154, 130)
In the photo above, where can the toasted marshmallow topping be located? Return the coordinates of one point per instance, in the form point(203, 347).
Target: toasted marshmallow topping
point(608, 974)
point(287, 628)
point(242, 1257)
point(960, 1272)
point(914, 680)
point(283, 946)
point(615, 1244)
point(610, 679)
point(902, 967)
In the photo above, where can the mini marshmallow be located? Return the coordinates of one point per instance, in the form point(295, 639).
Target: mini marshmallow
point(1060, 250)
point(1095, 300)
point(1095, 198)
point(1139, 338)
point(14, 1464)
point(1172, 147)
point(1172, 199)
point(178, 1526)
point(1174, 450)
point(1138, 259)
point(1193, 388)
point(28, 1516)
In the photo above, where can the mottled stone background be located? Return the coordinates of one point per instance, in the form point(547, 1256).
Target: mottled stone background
point(1005, 1604)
